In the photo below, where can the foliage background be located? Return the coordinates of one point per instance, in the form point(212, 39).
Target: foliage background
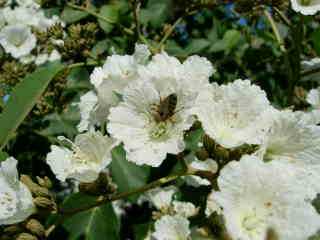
point(239, 43)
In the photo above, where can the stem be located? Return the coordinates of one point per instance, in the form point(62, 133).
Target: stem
point(157, 183)
point(93, 13)
point(81, 64)
point(275, 30)
point(309, 72)
point(169, 32)
point(282, 16)
point(105, 199)
point(136, 9)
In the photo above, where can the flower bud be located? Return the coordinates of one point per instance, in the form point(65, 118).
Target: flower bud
point(34, 188)
point(35, 227)
point(45, 203)
point(26, 236)
point(44, 182)
point(12, 229)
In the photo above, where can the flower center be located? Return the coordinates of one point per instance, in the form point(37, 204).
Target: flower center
point(253, 222)
point(159, 130)
point(17, 37)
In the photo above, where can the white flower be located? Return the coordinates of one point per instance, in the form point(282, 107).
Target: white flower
point(309, 118)
point(212, 205)
point(109, 82)
point(184, 209)
point(207, 165)
point(27, 59)
point(17, 40)
point(29, 16)
point(292, 139)
point(16, 202)
point(306, 7)
point(313, 98)
point(171, 228)
point(161, 198)
point(45, 57)
point(21, 15)
point(234, 114)
point(256, 196)
point(147, 124)
point(25, 3)
point(87, 104)
point(89, 155)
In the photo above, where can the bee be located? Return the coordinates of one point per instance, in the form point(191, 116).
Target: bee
point(166, 108)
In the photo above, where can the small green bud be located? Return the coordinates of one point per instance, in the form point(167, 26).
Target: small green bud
point(26, 236)
point(44, 203)
point(35, 227)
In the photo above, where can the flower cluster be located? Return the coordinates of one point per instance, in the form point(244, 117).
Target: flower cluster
point(149, 103)
point(19, 26)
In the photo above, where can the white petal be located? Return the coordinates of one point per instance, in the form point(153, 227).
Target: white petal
point(171, 228)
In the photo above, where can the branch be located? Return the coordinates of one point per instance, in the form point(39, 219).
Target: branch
point(309, 72)
point(157, 183)
point(275, 30)
point(283, 17)
point(169, 32)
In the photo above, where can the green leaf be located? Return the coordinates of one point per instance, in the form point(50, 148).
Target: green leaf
point(230, 40)
point(96, 223)
point(78, 79)
point(197, 45)
point(62, 124)
point(24, 97)
point(156, 13)
point(109, 12)
point(3, 156)
point(127, 175)
point(100, 48)
point(193, 138)
point(70, 15)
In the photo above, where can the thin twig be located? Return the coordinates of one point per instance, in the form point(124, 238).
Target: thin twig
point(275, 30)
point(136, 10)
point(310, 71)
point(91, 12)
point(157, 183)
point(282, 16)
point(169, 32)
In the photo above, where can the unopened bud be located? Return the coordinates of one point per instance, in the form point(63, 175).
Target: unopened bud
point(44, 182)
point(34, 188)
point(35, 227)
point(26, 236)
point(12, 229)
point(45, 203)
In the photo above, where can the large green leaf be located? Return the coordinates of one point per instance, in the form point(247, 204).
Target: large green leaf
point(70, 15)
point(99, 223)
point(111, 13)
point(127, 175)
point(24, 97)
point(156, 13)
point(230, 40)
